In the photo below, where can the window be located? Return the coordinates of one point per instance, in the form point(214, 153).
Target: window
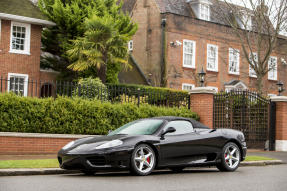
point(20, 38)
point(212, 57)
point(233, 61)
point(204, 12)
point(246, 21)
point(18, 83)
point(252, 72)
point(131, 45)
point(181, 127)
point(272, 68)
point(187, 87)
point(189, 53)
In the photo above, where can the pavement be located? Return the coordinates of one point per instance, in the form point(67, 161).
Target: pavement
point(260, 178)
point(281, 156)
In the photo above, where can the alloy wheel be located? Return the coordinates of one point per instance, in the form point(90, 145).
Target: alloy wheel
point(144, 159)
point(232, 156)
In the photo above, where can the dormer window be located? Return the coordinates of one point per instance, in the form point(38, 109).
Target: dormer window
point(204, 11)
point(246, 21)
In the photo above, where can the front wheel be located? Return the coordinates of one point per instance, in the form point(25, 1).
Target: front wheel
point(230, 158)
point(143, 160)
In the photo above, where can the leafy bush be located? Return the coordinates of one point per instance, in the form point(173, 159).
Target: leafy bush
point(73, 116)
point(91, 88)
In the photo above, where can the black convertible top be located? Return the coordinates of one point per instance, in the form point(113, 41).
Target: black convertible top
point(195, 123)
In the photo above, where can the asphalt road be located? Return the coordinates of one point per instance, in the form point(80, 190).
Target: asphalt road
point(269, 178)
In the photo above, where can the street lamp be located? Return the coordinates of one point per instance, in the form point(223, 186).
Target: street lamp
point(201, 76)
point(280, 87)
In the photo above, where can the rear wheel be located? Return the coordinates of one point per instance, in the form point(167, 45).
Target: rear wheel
point(143, 160)
point(230, 158)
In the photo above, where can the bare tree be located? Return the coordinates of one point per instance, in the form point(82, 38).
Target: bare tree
point(257, 25)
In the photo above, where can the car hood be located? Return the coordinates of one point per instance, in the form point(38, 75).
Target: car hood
point(88, 144)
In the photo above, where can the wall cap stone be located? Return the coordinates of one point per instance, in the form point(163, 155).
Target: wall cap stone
point(279, 99)
point(43, 135)
point(203, 90)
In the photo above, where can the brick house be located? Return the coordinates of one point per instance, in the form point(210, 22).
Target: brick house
point(21, 24)
point(179, 37)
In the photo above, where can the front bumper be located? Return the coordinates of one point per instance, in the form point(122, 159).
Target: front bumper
point(244, 151)
point(96, 161)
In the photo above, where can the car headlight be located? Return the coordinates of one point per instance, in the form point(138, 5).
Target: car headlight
point(110, 144)
point(69, 145)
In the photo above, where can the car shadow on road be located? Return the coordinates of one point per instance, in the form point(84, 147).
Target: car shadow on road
point(155, 173)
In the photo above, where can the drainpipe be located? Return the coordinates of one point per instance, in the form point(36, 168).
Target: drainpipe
point(163, 61)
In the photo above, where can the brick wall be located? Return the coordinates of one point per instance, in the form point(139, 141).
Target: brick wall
point(20, 63)
point(147, 40)
point(29, 143)
point(201, 102)
point(281, 120)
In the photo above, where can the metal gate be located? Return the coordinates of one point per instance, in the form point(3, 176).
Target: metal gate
point(245, 111)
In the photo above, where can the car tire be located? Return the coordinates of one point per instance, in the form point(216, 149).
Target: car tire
point(230, 158)
point(177, 169)
point(88, 172)
point(143, 160)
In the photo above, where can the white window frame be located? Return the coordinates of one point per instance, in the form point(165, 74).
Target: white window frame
point(26, 76)
point(193, 54)
point(246, 21)
point(231, 59)
point(215, 69)
point(251, 69)
point(201, 5)
point(27, 38)
point(131, 45)
point(189, 85)
point(276, 69)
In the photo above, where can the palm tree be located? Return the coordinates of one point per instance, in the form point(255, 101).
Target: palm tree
point(104, 44)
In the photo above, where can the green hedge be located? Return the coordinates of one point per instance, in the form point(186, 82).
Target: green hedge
point(73, 116)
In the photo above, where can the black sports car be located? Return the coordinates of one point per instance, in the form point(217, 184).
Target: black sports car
point(154, 143)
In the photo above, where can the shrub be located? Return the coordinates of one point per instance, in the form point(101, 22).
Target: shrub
point(91, 88)
point(73, 116)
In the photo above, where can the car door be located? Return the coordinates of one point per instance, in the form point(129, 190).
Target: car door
point(177, 147)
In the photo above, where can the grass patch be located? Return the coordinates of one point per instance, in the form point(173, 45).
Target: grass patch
point(40, 163)
point(53, 163)
point(257, 158)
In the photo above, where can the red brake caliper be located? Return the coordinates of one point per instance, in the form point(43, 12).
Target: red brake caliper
point(148, 159)
point(225, 157)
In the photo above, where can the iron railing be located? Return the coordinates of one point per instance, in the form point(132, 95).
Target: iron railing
point(109, 92)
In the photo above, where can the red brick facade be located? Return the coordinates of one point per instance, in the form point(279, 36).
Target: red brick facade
point(20, 63)
point(147, 49)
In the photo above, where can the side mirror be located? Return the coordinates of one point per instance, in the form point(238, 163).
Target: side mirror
point(169, 130)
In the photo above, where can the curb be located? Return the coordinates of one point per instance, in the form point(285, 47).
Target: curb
point(51, 171)
point(35, 171)
point(261, 163)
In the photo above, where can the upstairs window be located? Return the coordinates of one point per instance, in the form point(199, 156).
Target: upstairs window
point(20, 38)
point(233, 61)
point(204, 12)
point(252, 72)
point(187, 87)
point(247, 21)
point(189, 53)
point(18, 83)
point(212, 57)
point(272, 68)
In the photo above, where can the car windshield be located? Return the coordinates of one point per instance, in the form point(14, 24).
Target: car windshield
point(140, 127)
